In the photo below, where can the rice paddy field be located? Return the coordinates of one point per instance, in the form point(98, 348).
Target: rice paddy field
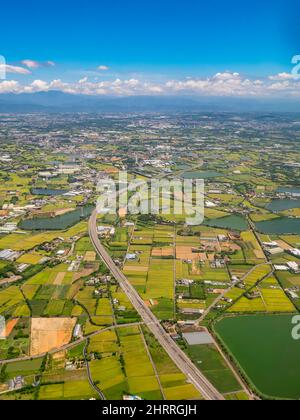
point(251, 247)
point(152, 272)
point(70, 390)
point(129, 358)
point(164, 255)
point(211, 363)
point(51, 292)
point(264, 350)
point(30, 258)
point(11, 300)
point(28, 241)
point(56, 383)
point(264, 294)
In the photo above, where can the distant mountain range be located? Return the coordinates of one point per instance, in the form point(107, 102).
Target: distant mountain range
point(55, 101)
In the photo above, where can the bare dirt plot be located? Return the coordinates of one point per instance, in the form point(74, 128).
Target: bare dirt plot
point(284, 245)
point(50, 333)
point(163, 252)
point(10, 280)
point(211, 245)
point(85, 273)
point(229, 246)
point(151, 303)
point(211, 257)
point(217, 291)
point(90, 256)
point(259, 254)
point(10, 325)
point(186, 253)
point(122, 212)
point(59, 279)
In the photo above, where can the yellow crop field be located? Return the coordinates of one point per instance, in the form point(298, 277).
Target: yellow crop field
point(248, 305)
point(277, 301)
point(29, 259)
point(252, 247)
point(257, 274)
point(182, 392)
point(25, 242)
point(160, 279)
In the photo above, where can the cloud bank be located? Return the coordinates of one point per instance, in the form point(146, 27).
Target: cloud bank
point(226, 84)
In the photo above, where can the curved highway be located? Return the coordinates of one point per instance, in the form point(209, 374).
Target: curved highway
point(206, 389)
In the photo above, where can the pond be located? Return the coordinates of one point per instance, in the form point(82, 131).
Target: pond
point(234, 222)
point(264, 348)
point(281, 226)
point(289, 190)
point(281, 205)
point(62, 222)
point(47, 192)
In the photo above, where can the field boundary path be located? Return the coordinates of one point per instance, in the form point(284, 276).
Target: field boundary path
point(93, 385)
point(153, 364)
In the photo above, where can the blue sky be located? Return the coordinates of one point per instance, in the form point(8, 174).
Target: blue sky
point(150, 41)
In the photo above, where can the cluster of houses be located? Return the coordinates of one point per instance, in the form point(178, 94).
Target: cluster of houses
point(16, 383)
point(95, 281)
point(106, 231)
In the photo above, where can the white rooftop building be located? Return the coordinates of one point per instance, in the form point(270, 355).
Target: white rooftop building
point(293, 266)
point(295, 252)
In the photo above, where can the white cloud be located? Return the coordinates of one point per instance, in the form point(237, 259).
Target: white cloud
point(225, 84)
point(9, 86)
point(103, 68)
point(226, 76)
point(84, 80)
point(234, 84)
point(37, 86)
point(14, 69)
point(282, 76)
point(32, 64)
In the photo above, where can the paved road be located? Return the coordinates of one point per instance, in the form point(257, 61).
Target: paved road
point(206, 389)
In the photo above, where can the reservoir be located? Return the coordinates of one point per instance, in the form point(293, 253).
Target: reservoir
point(263, 347)
point(47, 192)
point(62, 222)
point(234, 222)
point(289, 190)
point(281, 205)
point(201, 174)
point(281, 226)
